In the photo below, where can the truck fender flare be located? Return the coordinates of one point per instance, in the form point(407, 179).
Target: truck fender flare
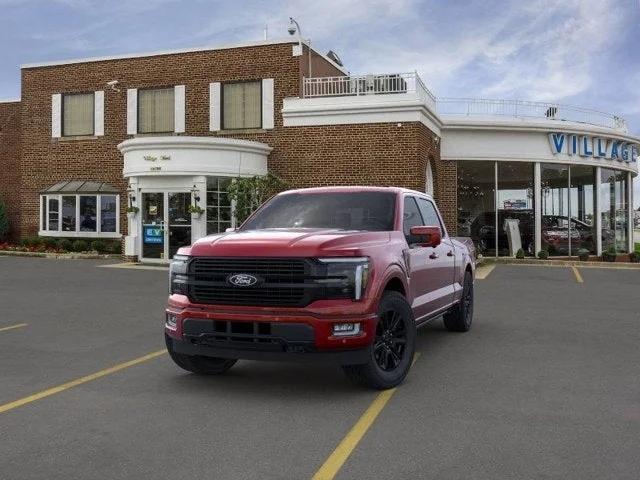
point(394, 272)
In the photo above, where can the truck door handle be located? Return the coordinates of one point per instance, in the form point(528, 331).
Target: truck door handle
point(450, 253)
point(433, 256)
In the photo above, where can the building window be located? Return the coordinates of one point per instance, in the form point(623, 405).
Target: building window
point(241, 105)
point(476, 204)
point(79, 215)
point(78, 114)
point(156, 110)
point(614, 210)
point(516, 219)
point(218, 205)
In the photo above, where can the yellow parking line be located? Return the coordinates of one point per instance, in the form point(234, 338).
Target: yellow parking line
point(74, 383)
point(333, 464)
point(19, 325)
point(577, 275)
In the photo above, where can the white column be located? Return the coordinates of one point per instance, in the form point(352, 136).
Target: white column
point(598, 219)
point(537, 194)
point(199, 225)
point(132, 244)
point(630, 210)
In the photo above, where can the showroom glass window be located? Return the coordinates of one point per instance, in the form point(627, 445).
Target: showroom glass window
point(156, 110)
point(79, 215)
point(554, 196)
point(516, 217)
point(476, 204)
point(614, 210)
point(218, 205)
point(78, 114)
point(241, 105)
point(582, 207)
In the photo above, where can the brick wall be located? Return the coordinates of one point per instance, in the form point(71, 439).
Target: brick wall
point(367, 154)
point(9, 162)
point(45, 161)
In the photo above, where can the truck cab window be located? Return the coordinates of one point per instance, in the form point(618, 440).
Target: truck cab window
point(411, 218)
point(429, 213)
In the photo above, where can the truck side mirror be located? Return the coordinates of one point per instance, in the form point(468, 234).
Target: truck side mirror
point(429, 236)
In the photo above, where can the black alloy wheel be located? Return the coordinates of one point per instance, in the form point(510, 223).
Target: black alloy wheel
point(391, 353)
point(391, 340)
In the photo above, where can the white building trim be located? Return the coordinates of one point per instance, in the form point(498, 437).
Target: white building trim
point(383, 108)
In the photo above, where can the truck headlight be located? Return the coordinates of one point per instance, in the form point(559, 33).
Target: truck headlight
point(178, 277)
point(345, 277)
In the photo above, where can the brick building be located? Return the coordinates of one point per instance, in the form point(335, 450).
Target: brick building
point(162, 131)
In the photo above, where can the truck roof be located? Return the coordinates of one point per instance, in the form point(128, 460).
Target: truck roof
point(354, 188)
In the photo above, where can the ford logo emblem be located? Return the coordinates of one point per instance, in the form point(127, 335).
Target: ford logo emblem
point(242, 280)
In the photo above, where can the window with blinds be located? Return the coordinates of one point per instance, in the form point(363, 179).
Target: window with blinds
point(156, 110)
point(77, 114)
point(241, 105)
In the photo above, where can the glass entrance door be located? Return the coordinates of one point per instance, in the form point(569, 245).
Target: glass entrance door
point(153, 222)
point(166, 224)
point(179, 221)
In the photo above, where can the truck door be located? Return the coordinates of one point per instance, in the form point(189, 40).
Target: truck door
point(442, 260)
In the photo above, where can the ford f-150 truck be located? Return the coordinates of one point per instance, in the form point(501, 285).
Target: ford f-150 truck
point(341, 275)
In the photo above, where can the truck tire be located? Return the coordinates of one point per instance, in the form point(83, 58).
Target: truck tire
point(459, 318)
point(391, 352)
point(199, 364)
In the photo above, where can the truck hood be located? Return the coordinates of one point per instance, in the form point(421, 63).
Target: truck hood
point(300, 242)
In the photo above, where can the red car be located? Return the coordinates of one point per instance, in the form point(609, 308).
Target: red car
point(340, 275)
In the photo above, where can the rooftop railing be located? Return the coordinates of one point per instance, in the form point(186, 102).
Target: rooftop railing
point(373, 84)
point(403, 83)
point(528, 110)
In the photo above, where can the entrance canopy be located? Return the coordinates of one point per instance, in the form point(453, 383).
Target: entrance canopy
point(80, 187)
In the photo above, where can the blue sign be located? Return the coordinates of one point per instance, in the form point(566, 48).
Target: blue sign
point(596, 147)
point(153, 235)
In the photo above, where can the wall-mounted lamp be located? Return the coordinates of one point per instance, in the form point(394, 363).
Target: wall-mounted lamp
point(196, 193)
point(132, 195)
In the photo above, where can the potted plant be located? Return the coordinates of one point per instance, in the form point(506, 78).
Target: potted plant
point(610, 255)
point(583, 254)
point(132, 211)
point(196, 211)
point(543, 254)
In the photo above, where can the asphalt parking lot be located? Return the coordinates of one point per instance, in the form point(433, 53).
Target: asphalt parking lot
point(545, 385)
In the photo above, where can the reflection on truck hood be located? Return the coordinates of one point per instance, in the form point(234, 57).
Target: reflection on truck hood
point(279, 242)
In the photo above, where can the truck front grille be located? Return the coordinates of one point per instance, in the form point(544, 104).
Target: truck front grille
point(283, 281)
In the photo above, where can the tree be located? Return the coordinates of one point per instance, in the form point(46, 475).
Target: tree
point(4, 221)
point(248, 193)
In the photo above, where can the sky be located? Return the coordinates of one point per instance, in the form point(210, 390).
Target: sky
point(582, 52)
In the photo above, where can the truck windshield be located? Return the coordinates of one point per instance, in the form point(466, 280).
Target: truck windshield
point(371, 211)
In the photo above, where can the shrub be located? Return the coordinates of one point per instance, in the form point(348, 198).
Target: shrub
point(610, 254)
point(49, 242)
point(30, 242)
point(116, 248)
point(79, 246)
point(583, 254)
point(635, 257)
point(65, 244)
point(520, 253)
point(543, 254)
point(98, 246)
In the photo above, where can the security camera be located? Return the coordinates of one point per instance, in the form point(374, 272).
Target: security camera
point(291, 29)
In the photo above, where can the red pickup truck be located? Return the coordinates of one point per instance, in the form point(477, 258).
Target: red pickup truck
point(341, 275)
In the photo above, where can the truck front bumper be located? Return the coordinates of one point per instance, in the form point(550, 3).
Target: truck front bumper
point(291, 353)
point(260, 334)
